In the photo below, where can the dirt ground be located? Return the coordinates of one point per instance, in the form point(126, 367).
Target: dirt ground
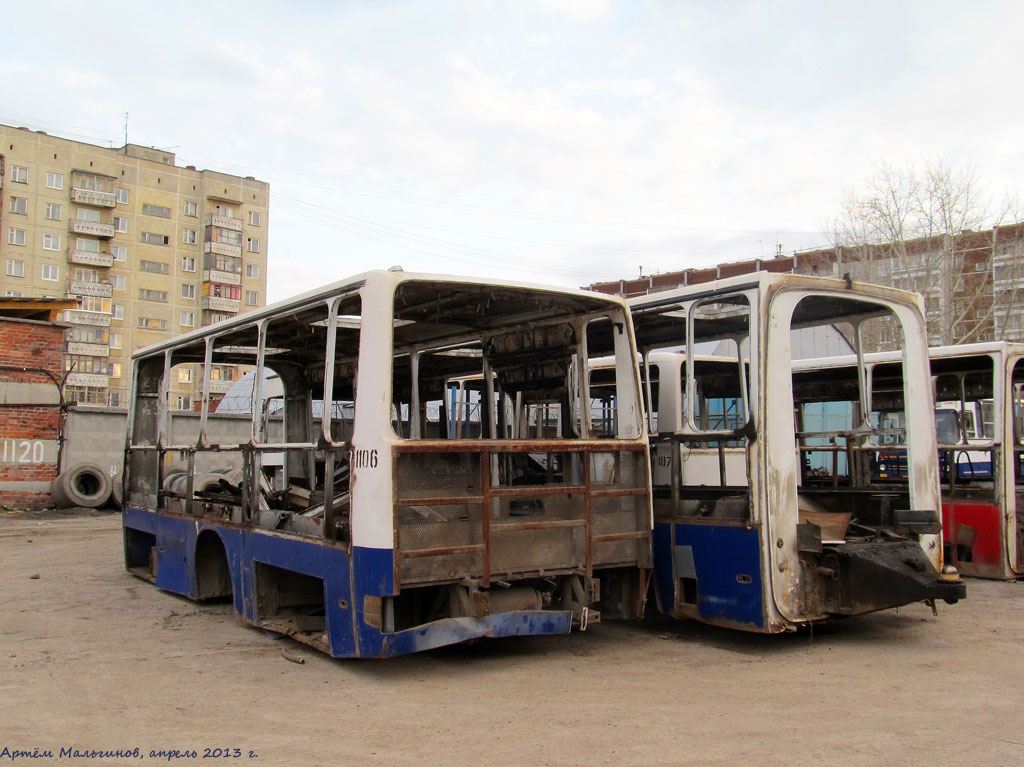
point(93, 658)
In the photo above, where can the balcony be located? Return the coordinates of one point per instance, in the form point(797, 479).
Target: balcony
point(224, 278)
point(92, 197)
point(102, 289)
point(89, 350)
point(94, 228)
point(216, 304)
point(87, 379)
point(90, 258)
point(235, 224)
point(82, 317)
point(222, 249)
point(220, 387)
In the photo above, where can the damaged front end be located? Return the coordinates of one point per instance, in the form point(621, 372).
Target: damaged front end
point(866, 573)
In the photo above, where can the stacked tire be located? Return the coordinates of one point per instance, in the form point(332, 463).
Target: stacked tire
point(84, 484)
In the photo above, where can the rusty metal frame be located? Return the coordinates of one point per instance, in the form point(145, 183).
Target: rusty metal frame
point(490, 448)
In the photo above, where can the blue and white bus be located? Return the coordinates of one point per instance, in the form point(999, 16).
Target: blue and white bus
point(767, 516)
point(383, 524)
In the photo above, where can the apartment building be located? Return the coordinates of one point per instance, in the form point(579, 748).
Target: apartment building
point(150, 249)
point(972, 281)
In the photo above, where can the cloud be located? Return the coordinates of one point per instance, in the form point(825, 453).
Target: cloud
point(552, 138)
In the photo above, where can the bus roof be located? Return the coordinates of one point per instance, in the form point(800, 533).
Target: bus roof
point(656, 321)
point(586, 300)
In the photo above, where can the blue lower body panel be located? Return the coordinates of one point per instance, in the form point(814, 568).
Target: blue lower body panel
point(348, 577)
point(709, 572)
point(455, 630)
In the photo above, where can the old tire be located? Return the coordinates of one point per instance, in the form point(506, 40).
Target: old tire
point(116, 492)
point(84, 484)
point(177, 482)
point(206, 482)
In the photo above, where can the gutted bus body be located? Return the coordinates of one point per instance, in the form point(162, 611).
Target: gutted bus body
point(766, 512)
point(383, 504)
point(979, 424)
point(979, 391)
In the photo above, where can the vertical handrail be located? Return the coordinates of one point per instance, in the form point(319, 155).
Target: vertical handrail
point(485, 522)
point(586, 456)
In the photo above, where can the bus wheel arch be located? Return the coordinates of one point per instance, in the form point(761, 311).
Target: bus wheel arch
point(213, 575)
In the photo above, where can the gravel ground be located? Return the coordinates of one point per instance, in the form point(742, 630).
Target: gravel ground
point(94, 659)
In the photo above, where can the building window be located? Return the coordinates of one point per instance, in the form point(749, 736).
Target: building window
point(92, 182)
point(252, 298)
point(209, 318)
point(184, 402)
point(82, 363)
point(188, 291)
point(118, 312)
point(55, 180)
point(120, 224)
point(252, 271)
point(156, 210)
point(187, 320)
point(191, 208)
point(156, 267)
point(254, 218)
point(155, 239)
point(19, 205)
point(84, 395)
point(122, 196)
point(114, 399)
point(217, 262)
point(185, 375)
point(119, 252)
point(225, 210)
point(51, 272)
point(51, 242)
point(150, 323)
point(87, 214)
point(13, 293)
point(95, 304)
point(188, 236)
point(116, 341)
point(89, 335)
point(15, 268)
point(188, 263)
point(252, 245)
point(19, 174)
point(15, 236)
point(87, 275)
point(53, 211)
point(222, 235)
point(153, 295)
point(115, 370)
point(87, 245)
point(217, 290)
point(117, 281)
point(222, 373)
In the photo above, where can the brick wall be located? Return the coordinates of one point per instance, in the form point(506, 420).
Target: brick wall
point(30, 416)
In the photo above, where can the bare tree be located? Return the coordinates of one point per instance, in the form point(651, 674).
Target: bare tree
point(917, 227)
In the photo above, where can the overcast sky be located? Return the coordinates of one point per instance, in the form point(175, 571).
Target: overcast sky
point(560, 141)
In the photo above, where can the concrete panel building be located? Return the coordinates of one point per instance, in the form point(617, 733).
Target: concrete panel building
point(972, 282)
point(150, 249)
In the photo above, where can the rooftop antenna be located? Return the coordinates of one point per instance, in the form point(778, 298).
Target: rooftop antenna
point(126, 133)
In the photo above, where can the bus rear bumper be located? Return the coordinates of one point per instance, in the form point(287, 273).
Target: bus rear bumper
point(880, 575)
point(454, 630)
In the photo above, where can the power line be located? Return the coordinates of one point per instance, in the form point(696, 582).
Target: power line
point(332, 183)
